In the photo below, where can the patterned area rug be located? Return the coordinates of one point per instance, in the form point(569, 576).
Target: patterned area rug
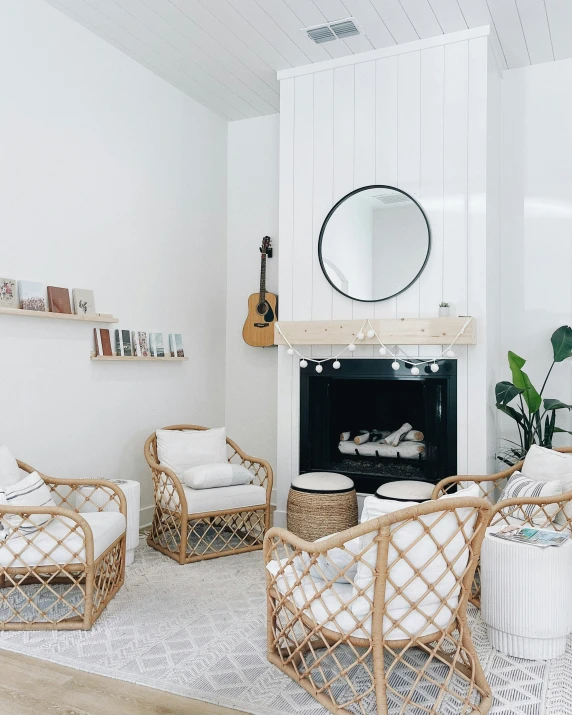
point(200, 631)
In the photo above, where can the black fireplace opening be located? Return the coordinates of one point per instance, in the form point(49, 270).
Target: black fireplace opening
point(368, 395)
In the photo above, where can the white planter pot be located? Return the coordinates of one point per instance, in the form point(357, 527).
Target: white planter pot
point(444, 311)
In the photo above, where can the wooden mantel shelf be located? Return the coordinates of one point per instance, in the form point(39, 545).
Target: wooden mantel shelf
point(393, 331)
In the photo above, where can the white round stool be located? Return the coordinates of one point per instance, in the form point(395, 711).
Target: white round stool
point(525, 597)
point(320, 504)
point(406, 490)
point(132, 491)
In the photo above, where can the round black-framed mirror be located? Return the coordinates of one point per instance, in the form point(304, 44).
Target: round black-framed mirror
point(374, 243)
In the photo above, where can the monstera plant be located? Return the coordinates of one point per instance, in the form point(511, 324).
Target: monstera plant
point(535, 415)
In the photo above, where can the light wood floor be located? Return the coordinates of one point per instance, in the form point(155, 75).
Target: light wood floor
point(29, 686)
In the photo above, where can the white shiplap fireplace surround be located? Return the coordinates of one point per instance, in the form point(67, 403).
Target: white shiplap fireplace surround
point(424, 117)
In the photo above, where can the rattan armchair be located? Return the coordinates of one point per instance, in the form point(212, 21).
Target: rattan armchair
point(63, 575)
point(397, 642)
point(491, 486)
point(188, 537)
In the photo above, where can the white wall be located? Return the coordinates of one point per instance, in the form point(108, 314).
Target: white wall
point(412, 116)
point(113, 180)
point(536, 256)
point(252, 214)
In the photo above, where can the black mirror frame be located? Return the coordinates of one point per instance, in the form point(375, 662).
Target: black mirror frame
point(331, 213)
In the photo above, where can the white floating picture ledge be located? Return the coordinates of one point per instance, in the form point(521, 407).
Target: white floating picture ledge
point(392, 331)
point(89, 318)
point(135, 358)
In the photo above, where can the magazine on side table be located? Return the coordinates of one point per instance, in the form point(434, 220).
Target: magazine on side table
point(529, 535)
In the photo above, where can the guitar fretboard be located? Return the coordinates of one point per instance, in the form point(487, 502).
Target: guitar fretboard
point(263, 277)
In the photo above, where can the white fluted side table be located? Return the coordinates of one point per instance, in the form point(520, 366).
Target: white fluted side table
point(525, 597)
point(132, 491)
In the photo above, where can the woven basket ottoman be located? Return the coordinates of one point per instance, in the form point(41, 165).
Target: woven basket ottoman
point(320, 504)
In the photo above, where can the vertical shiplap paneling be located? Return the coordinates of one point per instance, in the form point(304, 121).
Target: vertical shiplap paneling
point(409, 159)
point(344, 118)
point(455, 122)
point(285, 268)
point(386, 159)
point(303, 196)
point(455, 117)
point(286, 200)
point(364, 161)
point(431, 181)
point(323, 193)
point(477, 365)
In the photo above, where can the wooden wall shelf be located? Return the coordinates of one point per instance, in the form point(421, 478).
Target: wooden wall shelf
point(393, 331)
point(92, 318)
point(136, 358)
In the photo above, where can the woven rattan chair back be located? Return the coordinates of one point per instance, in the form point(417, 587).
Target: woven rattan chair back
point(193, 537)
point(396, 641)
point(553, 512)
point(60, 586)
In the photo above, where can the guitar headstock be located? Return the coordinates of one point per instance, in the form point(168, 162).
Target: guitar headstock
point(266, 248)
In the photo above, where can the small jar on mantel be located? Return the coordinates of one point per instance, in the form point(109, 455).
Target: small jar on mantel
point(444, 309)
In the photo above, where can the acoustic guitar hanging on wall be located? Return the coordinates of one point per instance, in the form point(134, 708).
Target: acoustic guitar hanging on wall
point(258, 328)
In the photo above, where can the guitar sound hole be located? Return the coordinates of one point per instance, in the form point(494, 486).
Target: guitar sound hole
point(261, 308)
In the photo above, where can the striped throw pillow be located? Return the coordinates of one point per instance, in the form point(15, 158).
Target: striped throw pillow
point(29, 491)
point(521, 486)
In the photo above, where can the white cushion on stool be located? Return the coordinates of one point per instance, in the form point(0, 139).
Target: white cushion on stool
point(322, 482)
point(406, 490)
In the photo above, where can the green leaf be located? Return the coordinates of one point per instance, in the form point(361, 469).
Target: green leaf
point(556, 405)
point(511, 412)
point(505, 392)
point(562, 343)
point(522, 382)
point(559, 429)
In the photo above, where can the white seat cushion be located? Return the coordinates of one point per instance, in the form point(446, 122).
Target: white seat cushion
point(106, 527)
point(322, 482)
point(221, 498)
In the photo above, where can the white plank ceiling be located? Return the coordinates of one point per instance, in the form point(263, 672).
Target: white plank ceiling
point(225, 53)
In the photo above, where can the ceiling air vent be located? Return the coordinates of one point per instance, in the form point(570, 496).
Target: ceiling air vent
point(392, 197)
point(337, 30)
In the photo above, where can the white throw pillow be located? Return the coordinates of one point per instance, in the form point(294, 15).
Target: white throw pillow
point(9, 470)
point(208, 476)
point(179, 450)
point(546, 465)
point(520, 485)
point(29, 491)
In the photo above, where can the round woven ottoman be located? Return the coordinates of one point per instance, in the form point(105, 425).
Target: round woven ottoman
point(525, 597)
point(406, 490)
point(320, 504)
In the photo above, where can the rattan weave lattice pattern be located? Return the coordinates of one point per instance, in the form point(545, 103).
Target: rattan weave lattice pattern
point(192, 537)
point(346, 649)
point(559, 517)
point(312, 515)
point(68, 592)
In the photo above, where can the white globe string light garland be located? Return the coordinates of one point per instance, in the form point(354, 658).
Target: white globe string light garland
point(383, 350)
